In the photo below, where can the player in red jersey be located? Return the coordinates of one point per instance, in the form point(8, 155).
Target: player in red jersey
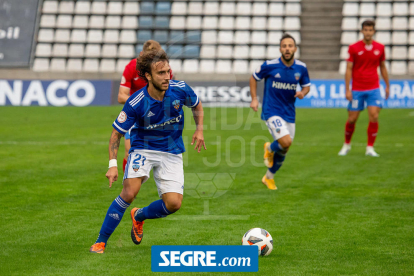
point(131, 82)
point(364, 58)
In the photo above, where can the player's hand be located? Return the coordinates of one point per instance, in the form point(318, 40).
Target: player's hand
point(299, 95)
point(198, 138)
point(387, 92)
point(112, 175)
point(348, 95)
point(254, 104)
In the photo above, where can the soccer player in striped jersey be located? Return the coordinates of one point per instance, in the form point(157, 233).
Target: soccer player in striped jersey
point(157, 114)
point(282, 77)
point(364, 58)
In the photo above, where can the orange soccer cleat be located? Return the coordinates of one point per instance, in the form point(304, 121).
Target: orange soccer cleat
point(136, 232)
point(268, 155)
point(98, 248)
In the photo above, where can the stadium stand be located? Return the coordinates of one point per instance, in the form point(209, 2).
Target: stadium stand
point(199, 36)
point(395, 29)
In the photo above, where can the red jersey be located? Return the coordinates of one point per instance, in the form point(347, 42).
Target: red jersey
point(130, 78)
point(365, 59)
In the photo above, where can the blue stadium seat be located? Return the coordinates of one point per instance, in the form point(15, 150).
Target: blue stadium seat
point(175, 51)
point(162, 22)
point(138, 49)
point(193, 36)
point(163, 8)
point(177, 36)
point(191, 51)
point(145, 22)
point(147, 7)
point(143, 36)
point(161, 36)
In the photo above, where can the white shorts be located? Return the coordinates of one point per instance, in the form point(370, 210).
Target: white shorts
point(279, 127)
point(167, 168)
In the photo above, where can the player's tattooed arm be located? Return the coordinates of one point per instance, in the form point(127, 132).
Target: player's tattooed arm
point(114, 141)
point(198, 136)
point(114, 144)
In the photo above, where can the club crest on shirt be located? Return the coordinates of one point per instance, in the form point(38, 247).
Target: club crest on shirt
point(135, 167)
point(376, 52)
point(122, 117)
point(297, 76)
point(176, 104)
point(278, 130)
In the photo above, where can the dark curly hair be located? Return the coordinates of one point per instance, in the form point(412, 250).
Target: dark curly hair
point(145, 61)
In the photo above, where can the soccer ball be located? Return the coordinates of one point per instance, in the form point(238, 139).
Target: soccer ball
point(261, 238)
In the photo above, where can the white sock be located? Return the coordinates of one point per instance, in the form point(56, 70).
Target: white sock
point(269, 148)
point(269, 175)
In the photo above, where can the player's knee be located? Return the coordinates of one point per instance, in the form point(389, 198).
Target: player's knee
point(128, 195)
point(286, 143)
point(173, 205)
point(352, 120)
point(373, 118)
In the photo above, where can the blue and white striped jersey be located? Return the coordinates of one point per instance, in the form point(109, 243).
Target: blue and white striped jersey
point(157, 125)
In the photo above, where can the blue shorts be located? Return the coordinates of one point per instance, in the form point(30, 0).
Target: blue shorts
point(359, 98)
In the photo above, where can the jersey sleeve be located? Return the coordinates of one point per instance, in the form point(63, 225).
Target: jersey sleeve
point(127, 76)
point(350, 54)
point(125, 120)
point(171, 75)
point(304, 80)
point(261, 71)
point(191, 98)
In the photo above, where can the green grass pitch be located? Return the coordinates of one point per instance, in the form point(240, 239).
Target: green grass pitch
point(331, 215)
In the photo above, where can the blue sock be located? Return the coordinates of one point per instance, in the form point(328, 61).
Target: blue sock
point(155, 210)
point(278, 159)
point(112, 219)
point(275, 146)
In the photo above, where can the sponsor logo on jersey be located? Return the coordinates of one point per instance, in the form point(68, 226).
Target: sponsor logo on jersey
point(135, 168)
point(376, 52)
point(369, 47)
point(297, 76)
point(176, 104)
point(169, 122)
point(123, 80)
point(122, 117)
point(284, 85)
point(114, 216)
point(150, 114)
point(136, 78)
point(360, 53)
point(277, 76)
